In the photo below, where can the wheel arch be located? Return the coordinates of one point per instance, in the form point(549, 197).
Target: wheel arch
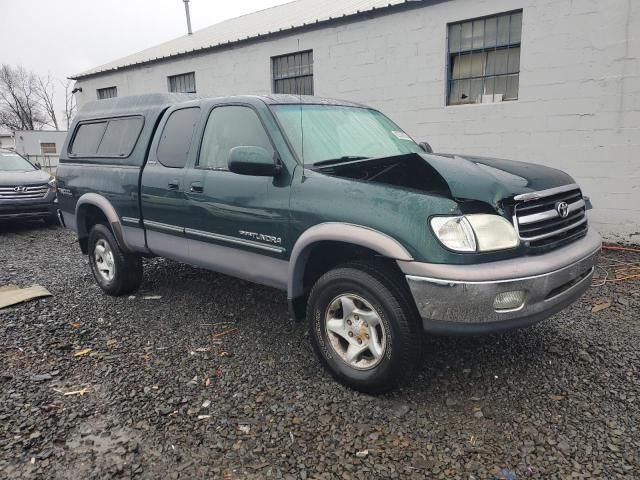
point(344, 233)
point(90, 203)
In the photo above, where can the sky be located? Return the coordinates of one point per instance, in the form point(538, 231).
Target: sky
point(65, 37)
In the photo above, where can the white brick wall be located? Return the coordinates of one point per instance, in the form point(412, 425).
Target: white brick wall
point(579, 97)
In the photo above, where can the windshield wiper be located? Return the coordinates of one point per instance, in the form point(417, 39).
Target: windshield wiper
point(333, 161)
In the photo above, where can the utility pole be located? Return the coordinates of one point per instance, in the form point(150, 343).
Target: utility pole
point(186, 11)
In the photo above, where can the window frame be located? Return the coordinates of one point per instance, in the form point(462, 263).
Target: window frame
point(275, 80)
point(197, 166)
point(106, 120)
point(164, 125)
point(55, 148)
point(169, 77)
point(114, 88)
point(484, 49)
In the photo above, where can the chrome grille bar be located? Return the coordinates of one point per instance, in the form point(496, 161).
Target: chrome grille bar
point(537, 217)
point(556, 232)
point(526, 197)
point(549, 214)
point(26, 193)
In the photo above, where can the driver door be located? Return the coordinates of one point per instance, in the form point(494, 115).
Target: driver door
point(228, 209)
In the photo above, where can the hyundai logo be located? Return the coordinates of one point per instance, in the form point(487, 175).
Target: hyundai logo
point(20, 189)
point(563, 209)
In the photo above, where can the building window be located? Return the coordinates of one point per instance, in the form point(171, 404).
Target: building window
point(183, 83)
point(484, 59)
point(48, 148)
point(109, 92)
point(293, 73)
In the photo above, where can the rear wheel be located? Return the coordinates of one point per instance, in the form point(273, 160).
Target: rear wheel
point(115, 271)
point(364, 327)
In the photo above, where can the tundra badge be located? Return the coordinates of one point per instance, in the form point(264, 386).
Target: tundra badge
point(260, 237)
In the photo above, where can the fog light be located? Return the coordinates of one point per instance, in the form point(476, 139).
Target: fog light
point(509, 300)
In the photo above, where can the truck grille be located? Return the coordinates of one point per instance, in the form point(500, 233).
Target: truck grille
point(24, 192)
point(539, 218)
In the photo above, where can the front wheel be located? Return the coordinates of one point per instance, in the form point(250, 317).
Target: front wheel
point(115, 271)
point(364, 326)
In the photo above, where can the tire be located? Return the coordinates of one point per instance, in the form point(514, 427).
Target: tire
point(374, 289)
point(126, 268)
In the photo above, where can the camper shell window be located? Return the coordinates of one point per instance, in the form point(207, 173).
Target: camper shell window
point(114, 137)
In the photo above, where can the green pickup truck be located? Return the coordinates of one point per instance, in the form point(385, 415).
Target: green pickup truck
point(374, 238)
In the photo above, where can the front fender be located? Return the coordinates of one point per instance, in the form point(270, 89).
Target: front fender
point(340, 232)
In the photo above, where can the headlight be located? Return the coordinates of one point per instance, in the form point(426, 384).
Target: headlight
point(52, 183)
point(475, 233)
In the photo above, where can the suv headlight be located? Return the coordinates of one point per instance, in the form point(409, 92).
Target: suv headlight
point(475, 233)
point(52, 183)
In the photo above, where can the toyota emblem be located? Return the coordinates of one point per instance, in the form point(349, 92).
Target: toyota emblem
point(20, 189)
point(563, 209)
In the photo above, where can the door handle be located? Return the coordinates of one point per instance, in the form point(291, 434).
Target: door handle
point(174, 185)
point(196, 187)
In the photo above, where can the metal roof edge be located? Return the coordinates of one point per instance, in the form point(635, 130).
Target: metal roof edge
point(386, 10)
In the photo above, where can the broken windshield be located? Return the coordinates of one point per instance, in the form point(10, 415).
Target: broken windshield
point(335, 133)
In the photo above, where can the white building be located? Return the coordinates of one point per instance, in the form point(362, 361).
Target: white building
point(40, 146)
point(555, 82)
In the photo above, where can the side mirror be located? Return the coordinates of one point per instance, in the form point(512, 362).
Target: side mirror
point(426, 147)
point(254, 161)
point(38, 166)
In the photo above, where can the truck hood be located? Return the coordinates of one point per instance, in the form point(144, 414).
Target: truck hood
point(487, 180)
point(491, 180)
point(12, 179)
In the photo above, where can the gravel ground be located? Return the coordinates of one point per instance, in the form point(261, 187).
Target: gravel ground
point(164, 397)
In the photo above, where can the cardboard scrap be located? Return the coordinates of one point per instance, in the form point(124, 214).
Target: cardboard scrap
point(12, 294)
point(600, 305)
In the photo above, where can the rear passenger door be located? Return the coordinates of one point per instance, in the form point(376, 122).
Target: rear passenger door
point(164, 201)
point(238, 211)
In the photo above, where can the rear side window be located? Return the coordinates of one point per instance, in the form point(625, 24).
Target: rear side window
point(88, 138)
point(175, 142)
point(114, 138)
point(120, 136)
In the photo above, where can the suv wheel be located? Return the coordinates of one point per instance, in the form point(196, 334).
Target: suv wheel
point(115, 271)
point(364, 327)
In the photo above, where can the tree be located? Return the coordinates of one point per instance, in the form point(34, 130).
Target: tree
point(69, 102)
point(45, 92)
point(19, 104)
point(27, 100)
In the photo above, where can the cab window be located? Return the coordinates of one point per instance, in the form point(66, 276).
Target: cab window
point(175, 142)
point(229, 127)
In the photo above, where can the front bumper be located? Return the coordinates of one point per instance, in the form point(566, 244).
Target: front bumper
point(27, 209)
point(460, 298)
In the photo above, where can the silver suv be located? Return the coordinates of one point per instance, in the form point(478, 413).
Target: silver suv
point(26, 192)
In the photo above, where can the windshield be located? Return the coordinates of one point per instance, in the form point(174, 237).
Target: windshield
point(12, 162)
point(337, 132)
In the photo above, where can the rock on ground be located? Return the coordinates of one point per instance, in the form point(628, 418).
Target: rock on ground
point(158, 396)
